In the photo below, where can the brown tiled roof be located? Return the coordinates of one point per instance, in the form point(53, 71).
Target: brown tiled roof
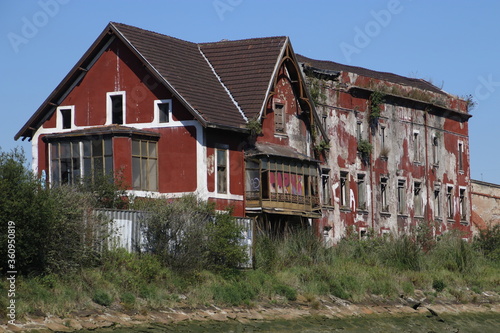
point(246, 68)
point(394, 78)
point(184, 67)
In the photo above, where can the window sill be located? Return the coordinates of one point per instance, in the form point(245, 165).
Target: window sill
point(417, 163)
point(418, 217)
point(280, 135)
point(384, 158)
point(450, 220)
point(345, 209)
point(362, 211)
point(329, 207)
point(405, 216)
point(464, 222)
point(385, 214)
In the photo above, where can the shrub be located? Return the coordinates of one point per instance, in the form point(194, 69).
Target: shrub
point(488, 242)
point(187, 234)
point(287, 291)
point(438, 285)
point(102, 298)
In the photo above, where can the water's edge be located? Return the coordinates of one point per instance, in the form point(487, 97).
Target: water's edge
point(299, 318)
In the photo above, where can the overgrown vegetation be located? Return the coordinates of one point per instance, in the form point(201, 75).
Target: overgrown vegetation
point(365, 149)
point(193, 255)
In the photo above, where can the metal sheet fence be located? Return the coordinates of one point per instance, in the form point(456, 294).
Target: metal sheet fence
point(126, 231)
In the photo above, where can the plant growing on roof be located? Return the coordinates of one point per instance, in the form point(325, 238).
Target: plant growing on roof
point(254, 126)
point(376, 99)
point(317, 94)
point(322, 146)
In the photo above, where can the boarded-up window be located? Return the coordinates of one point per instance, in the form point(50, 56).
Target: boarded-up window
point(221, 170)
point(279, 118)
point(145, 165)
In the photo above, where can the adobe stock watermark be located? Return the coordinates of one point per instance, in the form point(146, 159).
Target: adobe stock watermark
point(30, 26)
point(223, 6)
point(11, 272)
point(486, 87)
point(364, 36)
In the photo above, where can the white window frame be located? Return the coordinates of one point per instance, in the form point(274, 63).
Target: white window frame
point(462, 204)
point(156, 116)
point(59, 116)
point(461, 153)
point(109, 106)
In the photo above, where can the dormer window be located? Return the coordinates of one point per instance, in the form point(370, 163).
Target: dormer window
point(115, 108)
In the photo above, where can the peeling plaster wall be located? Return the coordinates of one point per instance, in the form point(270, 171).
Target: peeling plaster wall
point(404, 149)
point(485, 205)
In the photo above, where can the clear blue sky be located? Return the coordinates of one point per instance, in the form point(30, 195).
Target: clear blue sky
point(454, 44)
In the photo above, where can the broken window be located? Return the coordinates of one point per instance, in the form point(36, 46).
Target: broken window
point(435, 150)
point(417, 199)
point(384, 150)
point(401, 196)
point(117, 109)
point(66, 118)
point(71, 160)
point(361, 192)
point(279, 118)
point(463, 206)
point(344, 189)
point(437, 202)
point(252, 179)
point(145, 165)
point(97, 157)
point(221, 157)
point(65, 163)
point(416, 147)
point(325, 186)
point(460, 156)
point(449, 202)
point(383, 195)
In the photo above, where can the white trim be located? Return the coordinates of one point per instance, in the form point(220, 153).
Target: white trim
point(224, 86)
point(275, 72)
point(109, 106)
point(156, 113)
point(59, 117)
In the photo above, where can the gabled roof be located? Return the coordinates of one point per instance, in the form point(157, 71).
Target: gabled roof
point(223, 83)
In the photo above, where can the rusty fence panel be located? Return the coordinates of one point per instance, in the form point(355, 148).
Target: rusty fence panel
point(126, 231)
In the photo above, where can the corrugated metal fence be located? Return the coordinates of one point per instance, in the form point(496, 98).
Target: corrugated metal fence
point(126, 231)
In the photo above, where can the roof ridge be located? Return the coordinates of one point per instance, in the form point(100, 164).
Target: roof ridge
point(223, 85)
point(117, 24)
point(242, 40)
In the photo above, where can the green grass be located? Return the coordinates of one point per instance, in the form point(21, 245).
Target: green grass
point(294, 268)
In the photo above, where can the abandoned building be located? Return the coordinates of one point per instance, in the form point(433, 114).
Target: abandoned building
point(251, 125)
point(398, 152)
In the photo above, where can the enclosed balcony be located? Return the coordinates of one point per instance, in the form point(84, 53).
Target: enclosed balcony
point(279, 180)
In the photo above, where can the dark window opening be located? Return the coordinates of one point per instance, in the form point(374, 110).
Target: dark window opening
point(117, 109)
point(66, 118)
point(164, 109)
